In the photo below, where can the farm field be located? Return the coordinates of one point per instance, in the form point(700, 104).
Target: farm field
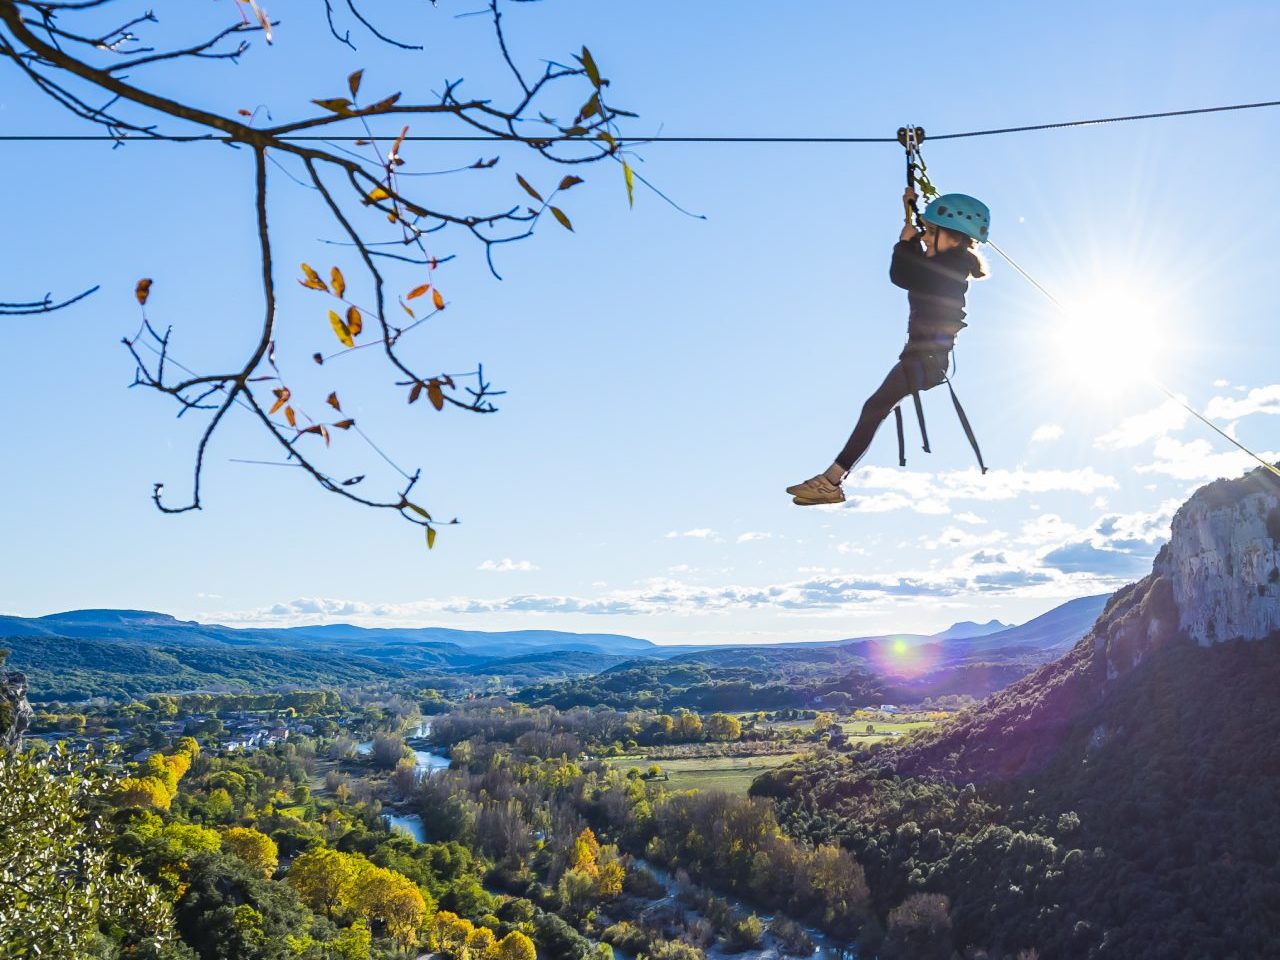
point(730, 774)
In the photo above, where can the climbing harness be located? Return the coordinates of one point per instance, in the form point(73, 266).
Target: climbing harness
point(917, 173)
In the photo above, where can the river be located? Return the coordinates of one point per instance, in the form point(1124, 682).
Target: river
point(426, 762)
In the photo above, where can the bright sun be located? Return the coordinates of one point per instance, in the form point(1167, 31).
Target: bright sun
point(1112, 337)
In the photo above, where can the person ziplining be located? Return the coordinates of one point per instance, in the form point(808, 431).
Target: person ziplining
point(934, 259)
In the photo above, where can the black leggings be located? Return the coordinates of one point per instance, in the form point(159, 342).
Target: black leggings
point(909, 374)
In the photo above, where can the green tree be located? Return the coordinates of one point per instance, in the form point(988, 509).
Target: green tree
point(61, 883)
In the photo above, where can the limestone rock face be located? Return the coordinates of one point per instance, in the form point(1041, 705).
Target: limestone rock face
point(15, 711)
point(1223, 560)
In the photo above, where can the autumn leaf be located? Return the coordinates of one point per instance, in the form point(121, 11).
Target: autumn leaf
point(435, 394)
point(416, 392)
point(383, 105)
point(339, 282)
point(406, 308)
point(313, 281)
point(341, 329)
point(143, 290)
point(245, 113)
point(345, 424)
point(431, 537)
point(290, 416)
point(377, 194)
point(437, 299)
point(528, 189)
point(589, 64)
point(418, 510)
point(338, 105)
point(353, 82)
point(282, 397)
point(630, 177)
point(355, 323)
point(568, 182)
point(560, 215)
point(607, 137)
point(394, 156)
point(591, 107)
point(324, 432)
point(332, 400)
point(416, 292)
point(318, 358)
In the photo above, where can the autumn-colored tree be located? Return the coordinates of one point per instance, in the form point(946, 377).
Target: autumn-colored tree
point(515, 946)
point(449, 932)
point(562, 113)
point(823, 721)
point(253, 847)
point(324, 880)
point(722, 727)
point(586, 848)
point(142, 792)
point(384, 897)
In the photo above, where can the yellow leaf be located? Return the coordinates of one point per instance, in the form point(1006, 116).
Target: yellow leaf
point(418, 510)
point(313, 280)
point(353, 82)
point(339, 282)
point(355, 323)
point(282, 397)
point(338, 105)
point(378, 193)
point(416, 292)
point(559, 215)
point(431, 537)
point(437, 299)
point(143, 290)
point(340, 328)
point(630, 177)
point(406, 308)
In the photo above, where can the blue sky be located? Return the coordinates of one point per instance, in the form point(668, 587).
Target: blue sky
point(668, 376)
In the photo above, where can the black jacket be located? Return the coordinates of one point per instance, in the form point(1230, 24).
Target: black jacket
point(935, 290)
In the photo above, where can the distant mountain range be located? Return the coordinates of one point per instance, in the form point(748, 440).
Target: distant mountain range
point(83, 653)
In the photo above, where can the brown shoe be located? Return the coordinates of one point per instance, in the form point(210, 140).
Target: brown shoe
point(816, 490)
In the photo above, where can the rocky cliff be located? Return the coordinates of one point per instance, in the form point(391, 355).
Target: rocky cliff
point(15, 712)
point(1216, 581)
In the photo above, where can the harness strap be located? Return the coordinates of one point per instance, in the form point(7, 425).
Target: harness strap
point(902, 440)
point(964, 422)
point(924, 434)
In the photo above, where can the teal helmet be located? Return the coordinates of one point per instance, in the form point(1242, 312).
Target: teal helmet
point(961, 213)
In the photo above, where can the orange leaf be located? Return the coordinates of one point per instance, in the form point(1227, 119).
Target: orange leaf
point(282, 397)
point(355, 323)
point(435, 394)
point(568, 182)
point(416, 392)
point(332, 400)
point(340, 328)
point(143, 290)
point(437, 299)
point(339, 282)
point(378, 193)
point(528, 189)
point(353, 82)
point(345, 424)
point(289, 415)
point(416, 292)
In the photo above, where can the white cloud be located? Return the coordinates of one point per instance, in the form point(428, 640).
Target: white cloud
point(506, 565)
point(700, 533)
point(972, 518)
point(1046, 433)
point(753, 535)
point(1222, 383)
point(1196, 460)
point(1259, 400)
point(1138, 429)
point(934, 493)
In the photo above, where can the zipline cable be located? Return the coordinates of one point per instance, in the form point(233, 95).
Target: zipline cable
point(1151, 378)
point(997, 131)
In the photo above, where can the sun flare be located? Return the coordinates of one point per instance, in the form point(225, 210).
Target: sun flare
point(1113, 336)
